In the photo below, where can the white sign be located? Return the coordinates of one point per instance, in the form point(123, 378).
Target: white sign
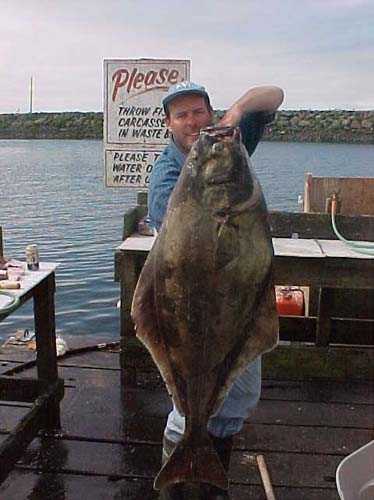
point(129, 168)
point(133, 114)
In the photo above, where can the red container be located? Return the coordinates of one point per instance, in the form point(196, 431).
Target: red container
point(290, 301)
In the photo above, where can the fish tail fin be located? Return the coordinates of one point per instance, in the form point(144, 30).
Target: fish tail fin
point(189, 463)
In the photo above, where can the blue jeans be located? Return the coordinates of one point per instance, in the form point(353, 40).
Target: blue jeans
point(238, 404)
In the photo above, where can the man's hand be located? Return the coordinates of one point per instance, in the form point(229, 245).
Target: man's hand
point(259, 99)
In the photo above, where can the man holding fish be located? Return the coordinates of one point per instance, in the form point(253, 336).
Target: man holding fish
point(188, 110)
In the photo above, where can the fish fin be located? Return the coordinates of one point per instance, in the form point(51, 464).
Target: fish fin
point(263, 337)
point(189, 463)
point(147, 329)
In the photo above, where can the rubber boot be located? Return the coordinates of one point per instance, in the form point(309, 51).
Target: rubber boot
point(223, 447)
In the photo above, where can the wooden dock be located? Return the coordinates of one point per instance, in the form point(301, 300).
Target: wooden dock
point(110, 443)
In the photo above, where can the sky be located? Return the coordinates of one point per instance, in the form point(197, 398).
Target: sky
point(321, 52)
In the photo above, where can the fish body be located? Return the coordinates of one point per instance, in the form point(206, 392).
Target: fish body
point(204, 305)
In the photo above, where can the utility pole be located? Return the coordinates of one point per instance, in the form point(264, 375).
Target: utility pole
point(30, 110)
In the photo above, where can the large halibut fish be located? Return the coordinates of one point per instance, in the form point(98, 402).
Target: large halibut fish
point(204, 305)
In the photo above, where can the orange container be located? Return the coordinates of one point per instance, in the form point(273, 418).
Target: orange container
point(290, 301)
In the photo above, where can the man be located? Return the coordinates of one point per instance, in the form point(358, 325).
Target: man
point(187, 110)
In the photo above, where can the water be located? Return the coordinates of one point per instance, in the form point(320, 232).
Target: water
point(52, 194)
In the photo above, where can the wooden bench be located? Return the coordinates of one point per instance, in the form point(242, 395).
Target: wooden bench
point(314, 258)
point(44, 392)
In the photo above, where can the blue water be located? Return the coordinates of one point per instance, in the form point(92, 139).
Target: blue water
point(52, 194)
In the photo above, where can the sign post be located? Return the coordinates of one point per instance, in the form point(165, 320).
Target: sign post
point(134, 129)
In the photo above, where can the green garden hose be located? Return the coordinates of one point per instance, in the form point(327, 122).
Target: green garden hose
point(358, 246)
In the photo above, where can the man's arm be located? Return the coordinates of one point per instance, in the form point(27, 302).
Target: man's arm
point(163, 179)
point(258, 99)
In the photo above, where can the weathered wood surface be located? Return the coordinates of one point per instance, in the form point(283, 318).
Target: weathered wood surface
point(1, 245)
point(110, 445)
point(37, 417)
point(343, 330)
point(46, 391)
point(297, 262)
point(131, 219)
point(354, 194)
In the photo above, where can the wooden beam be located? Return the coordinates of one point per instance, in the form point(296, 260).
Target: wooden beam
point(45, 333)
point(319, 226)
point(344, 331)
point(331, 272)
point(12, 448)
point(21, 389)
point(301, 361)
point(325, 306)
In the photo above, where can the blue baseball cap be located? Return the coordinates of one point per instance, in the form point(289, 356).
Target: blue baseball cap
point(182, 88)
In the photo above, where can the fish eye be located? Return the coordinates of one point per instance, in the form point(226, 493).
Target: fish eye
point(217, 147)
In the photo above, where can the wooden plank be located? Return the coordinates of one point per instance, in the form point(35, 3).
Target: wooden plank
point(131, 219)
point(299, 361)
point(30, 281)
point(323, 272)
point(302, 439)
point(25, 484)
point(143, 461)
point(240, 492)
point(94, 359)
point(309, 269)
point(286, 470)
point(87, 457)
point(305, 225)
point(1, 246)
point(149, 425)
point(283, 247)
point(343, 331)
point(88, 397)
point(21, 389)
point(318, 225)
point(315, 414)
point(45, 334)
point(7, 365)
point(22, 483)
point(325, 305)
point(295, 361)
point(10, 415)
point(137, 243)
point(355, 194)
point(284, 415)
point(16, 442)
point(319, 390)
point(289, 247)
point(342, 249)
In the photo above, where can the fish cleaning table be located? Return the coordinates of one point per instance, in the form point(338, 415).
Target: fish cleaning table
point(326, 264)
point(46, 391)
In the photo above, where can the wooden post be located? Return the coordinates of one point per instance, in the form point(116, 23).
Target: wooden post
point(325, 305)
point(142, 198)
point(45, 332)
point(128, 280)
point(1, 244)
point(307, 187)
point(2, 260)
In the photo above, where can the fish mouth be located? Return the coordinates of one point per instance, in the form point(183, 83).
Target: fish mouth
point(221, 132)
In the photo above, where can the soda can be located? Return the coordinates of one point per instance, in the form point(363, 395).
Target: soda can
point(32, 257)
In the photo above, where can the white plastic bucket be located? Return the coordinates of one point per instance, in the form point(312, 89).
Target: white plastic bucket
point(355, 474)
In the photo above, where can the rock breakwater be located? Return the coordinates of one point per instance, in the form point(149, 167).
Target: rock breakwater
point(293, 126)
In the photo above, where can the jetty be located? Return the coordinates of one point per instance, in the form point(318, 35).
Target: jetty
point(109, 445)
point(316, 407)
